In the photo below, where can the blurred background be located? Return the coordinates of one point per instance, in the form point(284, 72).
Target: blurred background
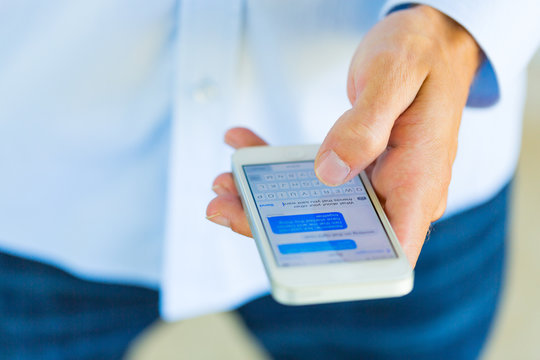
point(222, 336)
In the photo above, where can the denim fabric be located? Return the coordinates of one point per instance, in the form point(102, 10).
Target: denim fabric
point(448, 315)
point(46, 313)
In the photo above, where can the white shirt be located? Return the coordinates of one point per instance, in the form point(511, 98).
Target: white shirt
point(112, 116)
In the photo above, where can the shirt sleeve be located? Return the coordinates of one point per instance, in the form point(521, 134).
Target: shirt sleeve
point(508, 32)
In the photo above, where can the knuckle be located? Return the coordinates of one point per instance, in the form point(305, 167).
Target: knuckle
point(441, 208)
point(234, 227)
point(370, 141)
point(238, 227)
point(221, 178)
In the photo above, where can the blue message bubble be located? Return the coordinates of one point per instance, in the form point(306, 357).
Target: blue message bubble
point(332, 245)
point(307, 222)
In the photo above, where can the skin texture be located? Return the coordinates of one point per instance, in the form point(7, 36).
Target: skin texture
point(408, 84)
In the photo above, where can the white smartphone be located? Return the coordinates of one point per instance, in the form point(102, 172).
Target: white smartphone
point(318, 243)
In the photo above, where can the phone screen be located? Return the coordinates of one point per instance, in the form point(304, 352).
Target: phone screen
point(309, 223)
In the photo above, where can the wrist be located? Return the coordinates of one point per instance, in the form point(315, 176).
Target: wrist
point(454, 41)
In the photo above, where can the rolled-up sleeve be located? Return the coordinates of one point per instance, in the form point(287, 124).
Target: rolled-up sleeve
point(508, 32)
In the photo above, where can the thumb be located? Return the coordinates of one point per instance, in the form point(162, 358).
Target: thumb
point(380, 92)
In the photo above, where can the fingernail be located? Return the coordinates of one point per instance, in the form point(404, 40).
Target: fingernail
point(219, 219)
point(332, 170)
point(219, 190)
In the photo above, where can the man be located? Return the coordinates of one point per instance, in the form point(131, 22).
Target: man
point(111, 117)
point(408, 84)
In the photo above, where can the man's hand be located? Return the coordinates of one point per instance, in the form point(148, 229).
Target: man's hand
point(408, 84)
point(226, 209)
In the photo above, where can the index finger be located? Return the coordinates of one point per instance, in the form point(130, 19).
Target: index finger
point(240, 137)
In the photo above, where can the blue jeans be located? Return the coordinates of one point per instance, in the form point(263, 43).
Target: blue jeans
point(448, 315)
point(46, 313)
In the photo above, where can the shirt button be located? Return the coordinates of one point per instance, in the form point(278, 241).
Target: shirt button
point(205, 91)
